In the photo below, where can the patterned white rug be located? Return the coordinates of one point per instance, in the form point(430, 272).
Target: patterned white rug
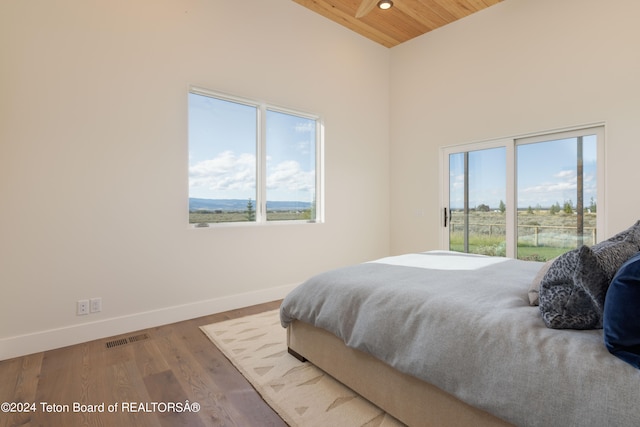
point(300, 393)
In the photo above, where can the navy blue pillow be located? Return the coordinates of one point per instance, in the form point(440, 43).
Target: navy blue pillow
point(621, 317)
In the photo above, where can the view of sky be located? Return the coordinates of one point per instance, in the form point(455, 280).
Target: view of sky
point(546, 174)
point(222, 152)
point(222, 161)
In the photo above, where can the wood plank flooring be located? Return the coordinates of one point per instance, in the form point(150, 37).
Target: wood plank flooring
point(172, 363)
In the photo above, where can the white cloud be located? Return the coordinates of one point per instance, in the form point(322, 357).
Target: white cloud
point(457, 182)
point(226, 171)
point(303, 148)
point(564, 189)
point(289, 176)
point(308, 126)
point(229, 175)
point(566, 174)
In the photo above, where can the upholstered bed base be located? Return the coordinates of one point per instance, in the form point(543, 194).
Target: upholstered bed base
point(410, 400)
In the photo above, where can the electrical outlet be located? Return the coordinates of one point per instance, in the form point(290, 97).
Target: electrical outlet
point(82, 307)
point(96, 305)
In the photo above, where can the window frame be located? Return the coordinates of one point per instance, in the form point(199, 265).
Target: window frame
point(511, 143)
point(261, 160)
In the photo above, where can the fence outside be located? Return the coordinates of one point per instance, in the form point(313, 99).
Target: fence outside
point(538, 235)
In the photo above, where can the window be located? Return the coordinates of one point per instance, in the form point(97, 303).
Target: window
point(250, 162)
point(532, 197)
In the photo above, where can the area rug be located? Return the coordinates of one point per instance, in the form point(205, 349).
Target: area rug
point(300, 393)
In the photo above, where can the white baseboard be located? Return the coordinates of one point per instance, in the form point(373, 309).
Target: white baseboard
point(36, 342)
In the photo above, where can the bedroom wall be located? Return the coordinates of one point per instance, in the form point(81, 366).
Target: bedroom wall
point(518, 67)
point(93, 159)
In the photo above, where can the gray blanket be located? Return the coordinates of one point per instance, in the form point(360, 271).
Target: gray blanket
point(472, 333)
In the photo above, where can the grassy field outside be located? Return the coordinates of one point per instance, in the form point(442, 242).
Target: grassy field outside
point(207, 217)
point(541, 234)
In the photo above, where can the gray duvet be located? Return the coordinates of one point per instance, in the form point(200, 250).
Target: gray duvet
point(464, 323)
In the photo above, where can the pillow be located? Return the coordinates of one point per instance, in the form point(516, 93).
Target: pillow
point(623, 234)
point(613, 252)
point(563, 304)
point(573, 291)
point(534, 289)
point(621, 318)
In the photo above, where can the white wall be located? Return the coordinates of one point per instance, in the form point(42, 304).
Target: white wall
point(518, 67)
point(93, 159)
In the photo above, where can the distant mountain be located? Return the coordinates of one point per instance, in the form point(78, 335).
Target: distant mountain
point(241, 205)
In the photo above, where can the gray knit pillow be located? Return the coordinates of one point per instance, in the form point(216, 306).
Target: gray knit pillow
point(573, 290)
point(563, 304)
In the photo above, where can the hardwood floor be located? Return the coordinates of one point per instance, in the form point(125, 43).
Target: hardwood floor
point(168, 364)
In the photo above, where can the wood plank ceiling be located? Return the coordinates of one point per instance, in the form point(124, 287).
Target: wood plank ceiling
point(405, 20)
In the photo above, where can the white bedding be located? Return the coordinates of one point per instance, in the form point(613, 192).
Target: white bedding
point(472, 333)
point(442, 260)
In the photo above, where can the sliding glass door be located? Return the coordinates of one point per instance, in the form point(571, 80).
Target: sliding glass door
point(531, 198)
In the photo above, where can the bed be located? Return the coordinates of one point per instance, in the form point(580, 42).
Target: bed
point(449, 339)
